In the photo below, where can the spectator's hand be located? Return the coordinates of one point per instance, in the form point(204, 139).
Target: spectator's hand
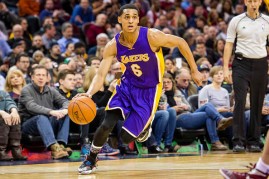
point(112, 85)
point(197, 77)
point(223, 109)
point(227, 75)
point(57, 113)
point(15, 117)
point(78, 19)
point(6, 117)
point(162, 106)
point(265, 110)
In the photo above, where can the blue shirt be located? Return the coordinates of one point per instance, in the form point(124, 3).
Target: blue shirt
point(85, 15)
point(63, 42)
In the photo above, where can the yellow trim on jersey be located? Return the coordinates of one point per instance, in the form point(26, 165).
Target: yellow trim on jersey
point(161, 65)
point(157, 97)
point(113, 94)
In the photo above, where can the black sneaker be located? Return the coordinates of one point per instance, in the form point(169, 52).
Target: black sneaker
point(239, 149)
point(155, 149)
point(254, 148)
point(86, 167)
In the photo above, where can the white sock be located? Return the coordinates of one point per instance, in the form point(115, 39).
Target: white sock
point(262, 166)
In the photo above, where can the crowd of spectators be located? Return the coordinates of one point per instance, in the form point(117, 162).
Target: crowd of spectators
point(64, 40)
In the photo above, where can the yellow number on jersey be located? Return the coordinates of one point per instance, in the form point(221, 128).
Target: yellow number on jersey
point(136, 70)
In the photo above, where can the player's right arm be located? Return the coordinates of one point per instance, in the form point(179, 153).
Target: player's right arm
point(98, 80)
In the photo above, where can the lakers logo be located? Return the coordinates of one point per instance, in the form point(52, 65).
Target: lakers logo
point(135, 58)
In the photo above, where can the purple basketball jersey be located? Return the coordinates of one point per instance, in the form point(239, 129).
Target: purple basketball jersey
point(144, 68)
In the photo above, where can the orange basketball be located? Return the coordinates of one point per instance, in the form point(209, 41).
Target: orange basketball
point(82, 110)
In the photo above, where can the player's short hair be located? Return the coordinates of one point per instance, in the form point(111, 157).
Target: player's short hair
point(128, 6)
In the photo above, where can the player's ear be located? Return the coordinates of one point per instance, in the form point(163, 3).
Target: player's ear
point(119, 19)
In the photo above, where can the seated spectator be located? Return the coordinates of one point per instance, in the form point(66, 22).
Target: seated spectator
point(204, 70)
point(101, 40)
point(37, 44)
point(94, 62)
point(8, 18)
point(79, 79)
point(202, 51)
point(17, 30)
point(42, 108)
point(22, 62)
point(96, 28)
point(55, 53)
point(37, 56)
point(82, 13)
point(184, 84)
point(206, 116)
point(17, 49)
point(69, 52)
point(80, 51)
point(49, 35)
point(30, 10)
point(164, 125)
point(10, 128)
point(170, 66)
point(67, 31)
point(49, 65)
point(14, 83)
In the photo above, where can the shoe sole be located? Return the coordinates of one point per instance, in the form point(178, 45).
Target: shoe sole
point(109, 154)
point(223, 174)
point(86, 172)
point(229, 123)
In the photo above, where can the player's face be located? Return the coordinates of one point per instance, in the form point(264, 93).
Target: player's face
point(129, 20)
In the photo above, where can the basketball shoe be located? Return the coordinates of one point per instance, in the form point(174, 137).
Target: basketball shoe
point(87, 167)
point(145, 134)
point(108, 151)
point(85, 149)
point(252, 174)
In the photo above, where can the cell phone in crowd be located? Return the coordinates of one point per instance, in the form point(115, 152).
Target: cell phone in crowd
point(118, 75)
point(178, 62)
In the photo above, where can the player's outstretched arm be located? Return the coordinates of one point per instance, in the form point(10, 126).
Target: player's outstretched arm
point(98, 80)
point(159, 39)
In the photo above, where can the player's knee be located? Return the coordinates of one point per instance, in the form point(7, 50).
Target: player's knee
point(106, 127)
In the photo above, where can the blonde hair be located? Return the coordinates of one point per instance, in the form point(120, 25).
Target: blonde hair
point(214, 70)
point(8, 86)
point(91, 72)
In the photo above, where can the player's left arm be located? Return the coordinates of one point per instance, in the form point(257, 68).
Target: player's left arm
point(159, 39)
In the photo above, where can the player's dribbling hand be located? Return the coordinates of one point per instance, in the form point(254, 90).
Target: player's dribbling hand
point(82, 94)
point(197, 77)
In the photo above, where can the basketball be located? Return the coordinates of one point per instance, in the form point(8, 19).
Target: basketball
point(82, 110)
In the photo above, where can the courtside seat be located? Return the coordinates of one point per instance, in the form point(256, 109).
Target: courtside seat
point(187, 136)
point(35, 143)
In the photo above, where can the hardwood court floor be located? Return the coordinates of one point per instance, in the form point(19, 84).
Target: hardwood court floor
point(188, 167)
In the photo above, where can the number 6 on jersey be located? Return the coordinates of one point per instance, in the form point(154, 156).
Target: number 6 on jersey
point(136, 70)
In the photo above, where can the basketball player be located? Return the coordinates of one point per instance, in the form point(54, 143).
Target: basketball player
point(259, 171)
point(136, 96)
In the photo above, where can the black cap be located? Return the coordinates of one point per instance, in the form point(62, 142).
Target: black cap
point(16, 43)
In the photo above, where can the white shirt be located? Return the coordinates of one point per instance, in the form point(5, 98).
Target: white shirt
point(251, 35)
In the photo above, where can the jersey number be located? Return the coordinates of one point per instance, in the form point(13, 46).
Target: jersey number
point(136, 69)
